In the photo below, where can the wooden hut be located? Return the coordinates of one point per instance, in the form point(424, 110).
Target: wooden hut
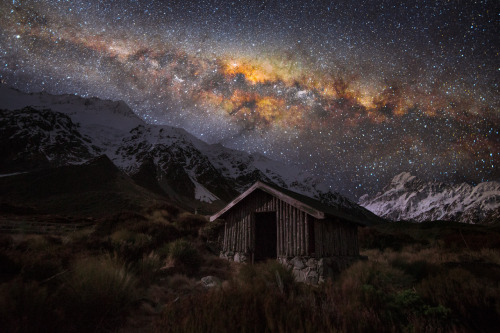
point(267, 221)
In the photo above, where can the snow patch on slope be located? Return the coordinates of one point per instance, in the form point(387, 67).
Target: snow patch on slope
point(409, 198)
point(111, 128)
point(202, 194)
point(11, 174)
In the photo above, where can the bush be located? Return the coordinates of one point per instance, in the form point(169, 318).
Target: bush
point(97, 293)
point(372, 238)
point(6, 241)
point(253, 302)
point(147, 268)
point(110, 224)
point(190, 223)
point(473, 300)
point(213, 234)
point(41, 268)
point(9, 266)
point(419, 269)
point(166, 210)
point(159, 231)
point(131, 245)
point(26, 307)
point(212, 230)
point(184, 254)
point(270, 274)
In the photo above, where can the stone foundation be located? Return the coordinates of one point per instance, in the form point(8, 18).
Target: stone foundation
point(313, 270)
point(305, 269)
point(235, 256)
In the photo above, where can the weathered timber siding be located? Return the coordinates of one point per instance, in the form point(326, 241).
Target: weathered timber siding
point(296, 229)
point(334, 238)
point(290, 222)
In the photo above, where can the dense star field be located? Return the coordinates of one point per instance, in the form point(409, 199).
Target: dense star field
point(353, 91)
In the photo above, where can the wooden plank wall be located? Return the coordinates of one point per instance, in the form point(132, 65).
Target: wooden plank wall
point(332, 238)
point(291, 225)
point(335, 238)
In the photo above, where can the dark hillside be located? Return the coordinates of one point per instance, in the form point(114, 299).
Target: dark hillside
point(92, 189)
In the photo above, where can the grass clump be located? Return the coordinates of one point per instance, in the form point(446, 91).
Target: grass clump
point(189, 223)
point(254, 301)
point(184, 255)
point(97, 292)
point(26, 307)
point(471, 297)
point(415, 286)
point(146, 267)
point(213, 234)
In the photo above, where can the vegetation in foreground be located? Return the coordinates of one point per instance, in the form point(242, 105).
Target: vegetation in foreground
point(445, 280)
point(141, 272)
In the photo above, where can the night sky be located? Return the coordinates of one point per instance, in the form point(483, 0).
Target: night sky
point(353, 91)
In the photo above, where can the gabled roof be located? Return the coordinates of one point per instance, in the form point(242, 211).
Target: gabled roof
point(309, 205)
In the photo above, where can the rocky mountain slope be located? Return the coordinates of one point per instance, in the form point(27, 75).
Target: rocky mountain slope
point(40, 130)
point(409, 198)
point(95, 188)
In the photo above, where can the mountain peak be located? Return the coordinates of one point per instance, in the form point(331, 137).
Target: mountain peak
point(400, 180)
point(69, 129)
point(408, 198)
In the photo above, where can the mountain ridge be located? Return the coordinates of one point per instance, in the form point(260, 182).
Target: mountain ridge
point(409, 198)
point(162, 158)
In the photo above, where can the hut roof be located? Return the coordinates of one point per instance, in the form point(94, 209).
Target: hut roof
point(349, 212)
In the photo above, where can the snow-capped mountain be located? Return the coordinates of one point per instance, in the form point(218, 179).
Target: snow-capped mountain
point(41, 130)
point(409, 198)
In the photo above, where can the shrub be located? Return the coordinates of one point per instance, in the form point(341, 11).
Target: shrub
point(147, 268)
point(164, 209)
point(473, 300)
point(268, 275)
point(9, 266)
point(131, 245)
point(213, 234)
point(180, 283)
point(6, 241)
point(41, 267)
point(212, 230)
point(110, 224)
point(184, 254)
point(26, 307)
point(190, 223)
point(98, 292)
point(372, 238)
point(163, 250)
point(361, 301)
point(240, 308)
point(38, 243)
point(419, 269)
point(219, 267)
point(160, 232)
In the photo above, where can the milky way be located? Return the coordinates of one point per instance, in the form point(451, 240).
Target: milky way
point(352, 91)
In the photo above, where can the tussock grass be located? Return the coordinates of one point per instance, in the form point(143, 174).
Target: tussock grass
point(146, 267)
point(97, 292)
point(189, 223)
point(184, 256)
point(24, 307)
point(423, 285)
point(470, 297)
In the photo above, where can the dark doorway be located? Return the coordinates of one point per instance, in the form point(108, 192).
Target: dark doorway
point(265, 236)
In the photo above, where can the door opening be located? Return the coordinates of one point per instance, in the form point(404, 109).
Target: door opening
point(265, 236)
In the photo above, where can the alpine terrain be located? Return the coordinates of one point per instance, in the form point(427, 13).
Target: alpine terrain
point(411, 199)
point(40, 131)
